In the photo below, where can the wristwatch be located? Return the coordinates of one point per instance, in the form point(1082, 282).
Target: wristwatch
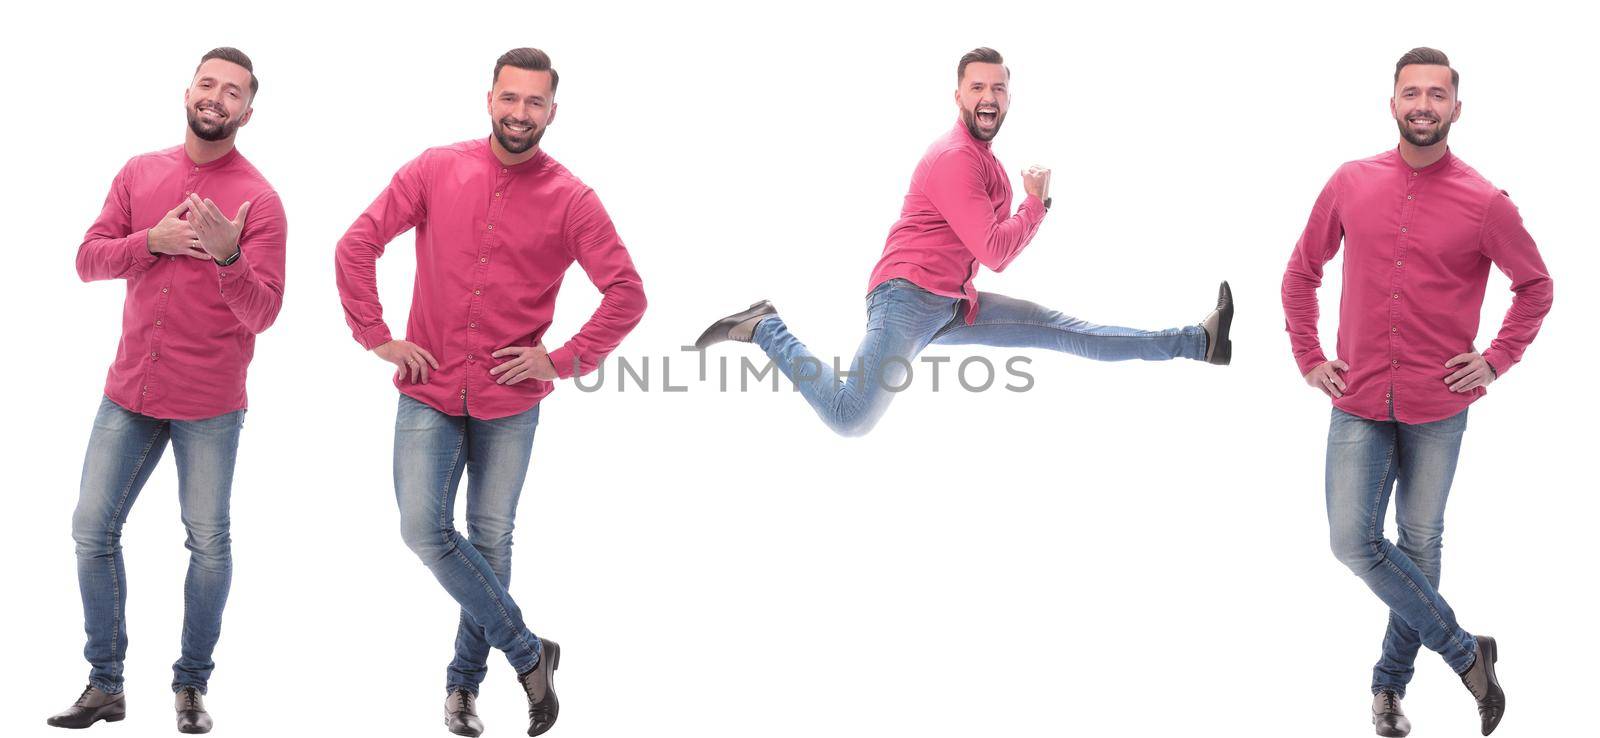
point(1046, 202)
point(230, 260)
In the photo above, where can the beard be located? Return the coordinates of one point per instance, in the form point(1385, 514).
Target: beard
point(515, 143)
point(208, 131)
point(1441, 129)
point(970, 117)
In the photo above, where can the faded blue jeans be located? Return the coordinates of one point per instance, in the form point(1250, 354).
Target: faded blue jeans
point(124, 448)
point(431, 452)
point(1366, 459)
point(902, 319)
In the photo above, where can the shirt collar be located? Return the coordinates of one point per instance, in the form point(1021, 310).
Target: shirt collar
point(527, 166)
point(217, 163)
point(1438, 166)
point(966, 135)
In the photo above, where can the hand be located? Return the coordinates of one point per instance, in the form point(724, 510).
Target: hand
point(412, 360)
point(218, 235)
point(528, 362)
point(1326, 377)
point(174, 235)
point(1036, 182)
point(1476, 373)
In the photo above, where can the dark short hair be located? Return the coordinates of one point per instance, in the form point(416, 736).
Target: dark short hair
point(527, 58)
point(1425, 55)
point(981, 54)
point(230, 54)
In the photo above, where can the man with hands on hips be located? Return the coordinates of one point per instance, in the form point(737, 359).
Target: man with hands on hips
point(1420, 230)
point(200, 286)
point(498, 222)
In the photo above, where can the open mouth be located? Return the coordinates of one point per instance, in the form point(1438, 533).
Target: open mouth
point(211, 114)
point(987, 116)
point(1422, 122)
point(516, 129)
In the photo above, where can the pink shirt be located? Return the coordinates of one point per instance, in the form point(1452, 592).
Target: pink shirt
point(188, 325)
point(956, 216)
point(1418, 244)
point(493, 242)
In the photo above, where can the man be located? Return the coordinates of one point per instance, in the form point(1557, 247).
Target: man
point(1420, 229)
point(200, 285)
point(498, 222)
point(957, 215)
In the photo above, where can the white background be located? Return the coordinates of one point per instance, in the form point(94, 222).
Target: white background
point(1130, 547)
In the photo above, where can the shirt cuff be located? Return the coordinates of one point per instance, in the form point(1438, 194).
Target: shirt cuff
point(1311, 360)
point(564, 359)
point(232, 273)
point(1034, 207)
point(139, 244)
point(374, 337)
point(1497, 362)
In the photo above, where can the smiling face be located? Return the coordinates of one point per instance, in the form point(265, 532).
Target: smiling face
point(521, 106)
point(1424, 103)
point(218, 100)
point(983, 96)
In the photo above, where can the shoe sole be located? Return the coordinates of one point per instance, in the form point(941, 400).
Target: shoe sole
point(1492, 650)
point(706, 339)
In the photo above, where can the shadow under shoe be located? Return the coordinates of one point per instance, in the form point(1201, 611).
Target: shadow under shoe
point(1484, 685)
point(740, 326)
point(1387, 717)
point(461, 713)
point(539, 684)
point(91, 707)
point(192, 715)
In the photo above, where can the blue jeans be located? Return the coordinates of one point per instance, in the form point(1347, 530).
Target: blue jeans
point(431, 452)
point(1366, 458)
point(124, 448)
point(902, 319)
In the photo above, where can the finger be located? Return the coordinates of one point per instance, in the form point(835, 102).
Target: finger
point(214, 212)
point(1459, 373)
point(1338, 382)
point(197, 252)
point(513, 368)
point(519, 376)
point(422, 368)
point(502, 367)
point(1459, 359)
point(1329, 387)
point(411, 369)
point(1340, 365)
point(238, 220)
point(197, 210)
point(1472, 380)
point(431, 361)
point(507, 351)
point(177, 211)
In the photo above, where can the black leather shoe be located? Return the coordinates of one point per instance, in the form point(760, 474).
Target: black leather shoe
point(740, 326)
point(1387, 717)
point(92, 706)
point(1485, 686)
point(461, 713)
point(192, 715)
point(539, 684)
point(1219, 349)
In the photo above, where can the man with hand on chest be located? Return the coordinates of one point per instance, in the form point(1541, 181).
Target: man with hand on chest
point(198, 235)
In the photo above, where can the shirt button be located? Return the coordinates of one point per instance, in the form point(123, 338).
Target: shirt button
point(1394, 329)
point(1394, 362)
point(496, 194)
point(1412, 174)
point(1396, 295)
point(469, 357)
point(158, 322)
point(1402, 229)
point(477, 292)
point(483, 259)
point(1397, 262)
point(472, 325)
point(491, 226)
point(198, 169)
point(154, 356)
point(502, 171)
point(163, 289)
point(1410, 197)
point(172, 258)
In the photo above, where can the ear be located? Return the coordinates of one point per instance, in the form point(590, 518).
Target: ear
point(1457, 114)
point(488, 102)
point(957, 95)
point(552, 118)
point(245, 119)
point(1394, 113)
